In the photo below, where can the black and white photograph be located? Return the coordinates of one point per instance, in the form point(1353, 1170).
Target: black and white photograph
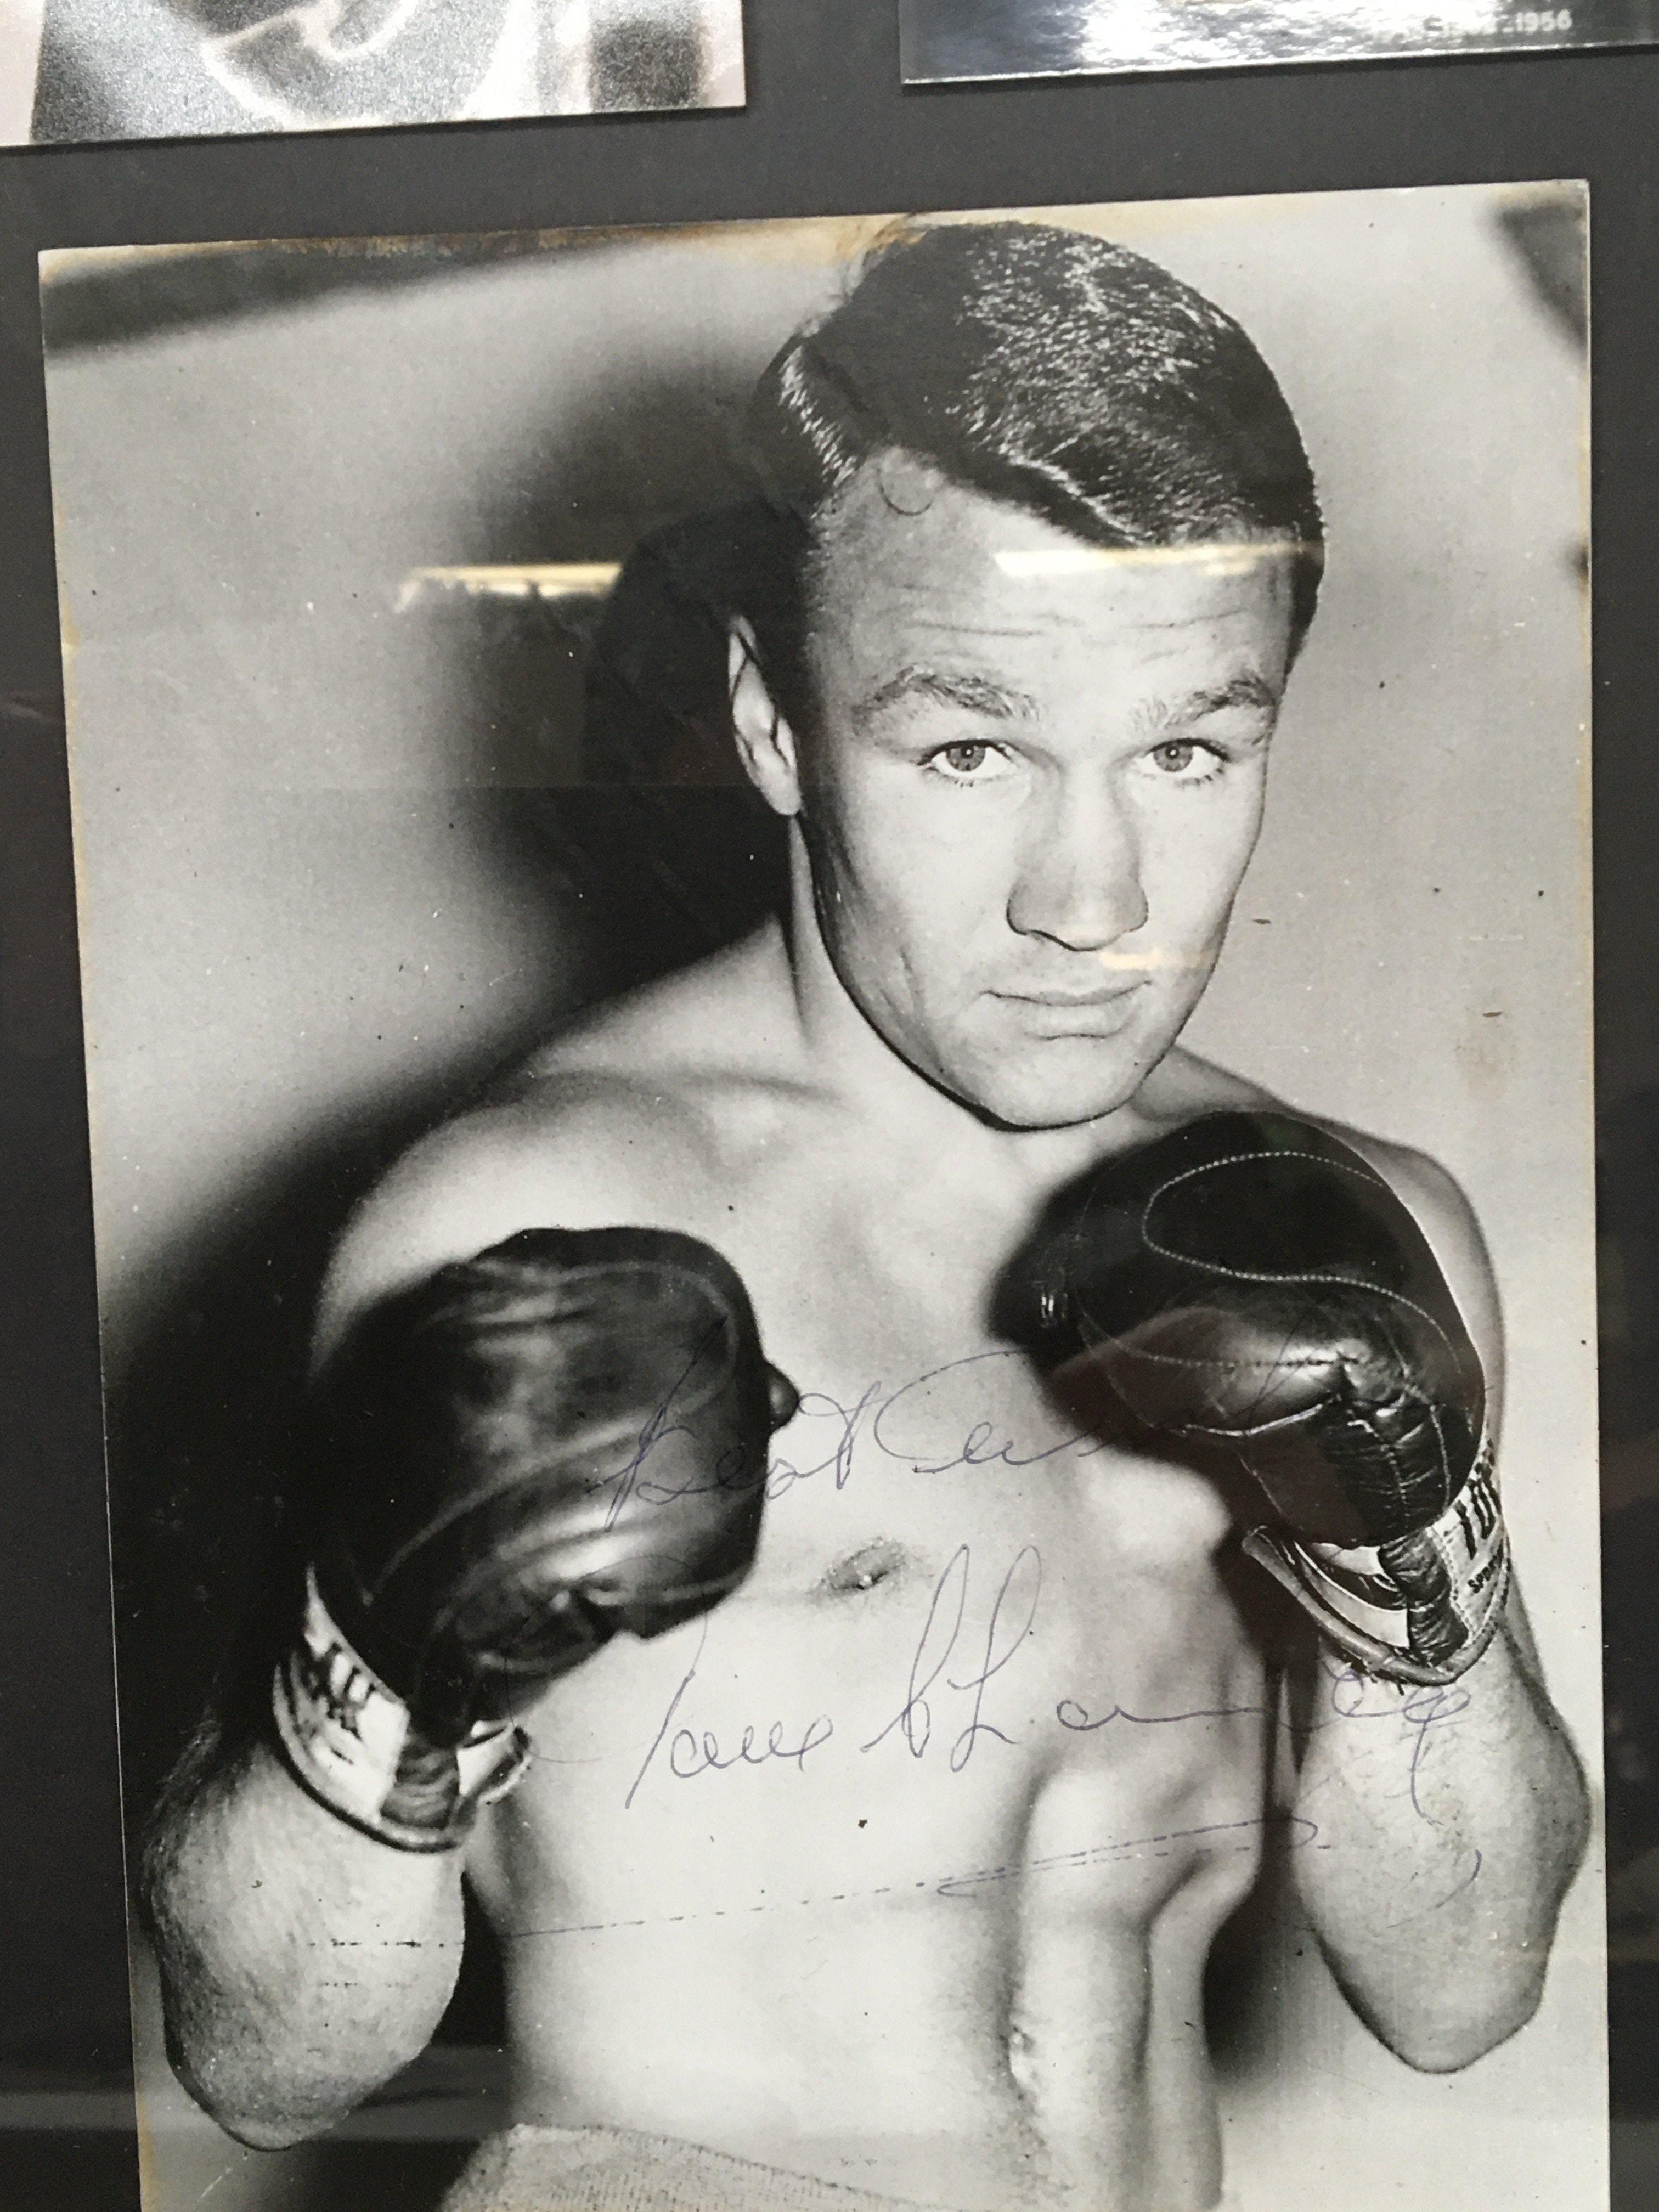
point(943, 40)
point(850, 1382)
point(81, 71)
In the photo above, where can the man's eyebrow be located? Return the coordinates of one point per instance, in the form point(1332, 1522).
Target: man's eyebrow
point(976, 695)
point(1249, 689)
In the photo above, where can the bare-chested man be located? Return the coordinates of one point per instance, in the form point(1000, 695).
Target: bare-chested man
point(893, 1859)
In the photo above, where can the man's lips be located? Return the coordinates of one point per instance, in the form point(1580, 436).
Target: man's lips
point(1062, 1001)
point(1053, 1014)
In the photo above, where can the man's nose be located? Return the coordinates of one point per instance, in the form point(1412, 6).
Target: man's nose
point(1079, 883)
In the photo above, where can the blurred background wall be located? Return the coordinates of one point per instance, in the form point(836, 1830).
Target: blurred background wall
point(339, 854)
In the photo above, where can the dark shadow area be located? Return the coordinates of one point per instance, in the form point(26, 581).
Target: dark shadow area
point(1628, 1208)
point(671, 849)
point(71, 2169)
point(63, 2005)
point(1548, 232)
point(648, 815)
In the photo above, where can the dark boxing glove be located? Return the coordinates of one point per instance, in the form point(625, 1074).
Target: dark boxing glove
point(562, 1437)
point(1250, 1286)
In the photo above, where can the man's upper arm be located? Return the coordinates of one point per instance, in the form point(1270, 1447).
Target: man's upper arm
point(1448, 1220)
point(576, 1157)
point(434, 1207)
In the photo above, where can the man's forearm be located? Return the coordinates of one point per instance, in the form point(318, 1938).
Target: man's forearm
point(1438, 1830)
point(302, 1963)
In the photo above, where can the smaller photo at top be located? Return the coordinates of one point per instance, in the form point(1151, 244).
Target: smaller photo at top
point(80, 71)
point(944, 41)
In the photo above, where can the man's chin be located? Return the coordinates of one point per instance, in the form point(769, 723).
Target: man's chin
point(1060, 1085)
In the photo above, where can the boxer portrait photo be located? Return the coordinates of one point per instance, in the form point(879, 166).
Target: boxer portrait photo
point(850, 1380)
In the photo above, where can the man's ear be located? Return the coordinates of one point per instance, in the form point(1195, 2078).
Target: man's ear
point(766, 744)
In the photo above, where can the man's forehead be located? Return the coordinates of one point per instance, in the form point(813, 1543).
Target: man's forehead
point(905, 540)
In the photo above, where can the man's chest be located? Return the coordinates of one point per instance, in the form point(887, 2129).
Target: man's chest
point(960, 1598)
point(928, 1465)
point(976, 1650)
point(975, 1637)
point(946, 1555)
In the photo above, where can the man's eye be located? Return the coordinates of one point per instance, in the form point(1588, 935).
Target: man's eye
point(967, 763)
point(1184, 761)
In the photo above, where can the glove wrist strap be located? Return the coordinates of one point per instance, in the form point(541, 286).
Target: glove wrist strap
point(354, 1746)
point(1417, 1608)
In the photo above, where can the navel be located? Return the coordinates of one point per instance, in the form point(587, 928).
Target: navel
point(858, 1572)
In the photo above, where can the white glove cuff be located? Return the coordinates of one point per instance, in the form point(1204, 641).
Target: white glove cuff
point(354, 1746)
point(1395, 1609)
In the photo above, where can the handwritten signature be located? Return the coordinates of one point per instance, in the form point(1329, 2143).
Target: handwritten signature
point(879, 1417)
point(733, 1469)
point(882, 1417)
point(914, 1717)
point(940, 1669)
point(698, 1751)
point(937, 1668)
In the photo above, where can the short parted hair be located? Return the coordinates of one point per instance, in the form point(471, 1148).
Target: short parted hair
point(1042, 365)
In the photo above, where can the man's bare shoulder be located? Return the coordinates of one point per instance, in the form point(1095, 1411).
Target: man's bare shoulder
point(1443, 1212)
point(727, 1019)
point(575, 1156)
point(642, 1114)
point(1182, 1088)
point(1185, 1087)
